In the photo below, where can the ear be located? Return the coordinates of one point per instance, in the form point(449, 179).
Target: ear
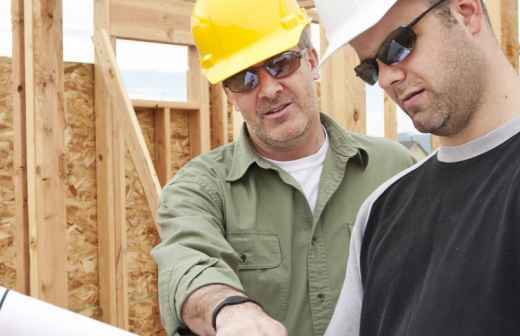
point(470, 13)
point(314, 63)
point(230, 96)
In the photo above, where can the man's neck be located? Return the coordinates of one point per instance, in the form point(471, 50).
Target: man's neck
point(300, 148)
point(500, 104)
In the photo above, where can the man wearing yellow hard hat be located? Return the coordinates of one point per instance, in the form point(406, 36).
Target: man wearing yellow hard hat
point(436, 250)
point(254, 233)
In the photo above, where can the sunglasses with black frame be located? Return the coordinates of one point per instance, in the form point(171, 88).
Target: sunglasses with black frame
point(279, 66)
point(396, 47)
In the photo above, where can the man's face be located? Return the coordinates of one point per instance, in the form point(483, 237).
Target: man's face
point(279, 112)
point(439, 85)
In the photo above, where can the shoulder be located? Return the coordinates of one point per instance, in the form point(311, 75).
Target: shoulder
point(382, 146)
point(213, 165)
point(384, 154)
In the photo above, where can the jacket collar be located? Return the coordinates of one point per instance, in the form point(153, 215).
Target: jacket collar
point(341, 142)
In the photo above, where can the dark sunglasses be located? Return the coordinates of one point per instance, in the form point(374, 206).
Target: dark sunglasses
point(397, 46)
point(279, 66)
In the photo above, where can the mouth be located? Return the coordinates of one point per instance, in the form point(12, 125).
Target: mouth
point(411, 97)
point(276, 111)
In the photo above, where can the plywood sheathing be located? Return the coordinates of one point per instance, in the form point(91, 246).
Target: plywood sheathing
point(142, 237)
point(180, 144)
point(7, 201)
point(81, 193)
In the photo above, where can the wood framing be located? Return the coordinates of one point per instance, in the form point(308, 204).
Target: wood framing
point(342, 93)
point(163, 148)
point(128, 120)
point(20, 144)
point(45, 119)
point(504, 19)
point(163, 21)
point(390, 119)
point(198, 91)
point(114, 307)
point(219, 116)
point(182, 106)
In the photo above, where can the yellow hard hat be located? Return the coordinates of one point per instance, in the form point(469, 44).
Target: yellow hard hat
point(233, 35)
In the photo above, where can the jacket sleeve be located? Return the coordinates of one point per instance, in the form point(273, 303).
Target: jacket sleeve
point(193, 251)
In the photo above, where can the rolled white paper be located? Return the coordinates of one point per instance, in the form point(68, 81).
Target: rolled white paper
point(22, 315)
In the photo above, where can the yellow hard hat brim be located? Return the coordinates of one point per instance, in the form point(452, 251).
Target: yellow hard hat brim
point(254, 54)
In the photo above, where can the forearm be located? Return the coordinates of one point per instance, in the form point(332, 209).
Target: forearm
point(198, 308)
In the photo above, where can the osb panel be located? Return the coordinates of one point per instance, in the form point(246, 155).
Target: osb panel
point(179, 140)
point(80, 157)
point(142, 237)
point(7, 205)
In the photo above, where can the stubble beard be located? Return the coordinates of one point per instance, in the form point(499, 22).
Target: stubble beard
point(296, 134)
point(458, 93)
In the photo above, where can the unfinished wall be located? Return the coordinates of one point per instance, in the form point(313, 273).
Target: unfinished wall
point(7, 206)
point(81, 205)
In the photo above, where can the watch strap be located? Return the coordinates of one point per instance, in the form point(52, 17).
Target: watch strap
point(229, 301)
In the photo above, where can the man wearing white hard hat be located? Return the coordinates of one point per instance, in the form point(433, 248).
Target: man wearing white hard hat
point(253, 233)
point(436, 249)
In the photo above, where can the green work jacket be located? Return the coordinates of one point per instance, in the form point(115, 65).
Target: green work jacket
point(231, 217)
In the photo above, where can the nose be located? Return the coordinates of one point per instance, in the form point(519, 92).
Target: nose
point(269, 87)
point(390, 75)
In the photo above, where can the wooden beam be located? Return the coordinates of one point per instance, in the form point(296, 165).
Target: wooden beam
point(390, 119)
point(504, 19)
point(180, 106)
point(111, 209)
point(45, 120)
point(198, 91)
point(128, 120)
point(163, 21)
point(342, 93)
point(306, 3)
point(120, 248)
point(219, 116)
point(20, 144)
point(163, 148)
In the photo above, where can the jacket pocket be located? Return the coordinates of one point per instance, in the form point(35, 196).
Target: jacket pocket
point(261, 270)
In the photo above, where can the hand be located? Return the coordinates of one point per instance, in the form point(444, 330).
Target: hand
point(247, 319)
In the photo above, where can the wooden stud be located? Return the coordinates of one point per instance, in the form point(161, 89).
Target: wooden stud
point(219, 116)
point(45, 119)
point(120, 265)
point(390, 119)
point(163, 148)
point(127, 120)
point(179, 106)
point(163, 21)
point(111, 209)
point(342, 93)
point(20, 144)
point(198, 91)
point(504, 19)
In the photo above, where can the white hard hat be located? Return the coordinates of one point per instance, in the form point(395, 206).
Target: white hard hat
point(343, 20)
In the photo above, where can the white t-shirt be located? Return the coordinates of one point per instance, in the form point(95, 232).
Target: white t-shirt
point(307, 171)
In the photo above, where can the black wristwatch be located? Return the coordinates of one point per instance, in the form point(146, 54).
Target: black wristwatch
point(229, 301)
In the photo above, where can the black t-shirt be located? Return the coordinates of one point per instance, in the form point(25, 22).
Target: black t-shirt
point(438, 248)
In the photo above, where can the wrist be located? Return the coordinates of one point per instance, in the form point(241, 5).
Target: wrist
point(231, 301)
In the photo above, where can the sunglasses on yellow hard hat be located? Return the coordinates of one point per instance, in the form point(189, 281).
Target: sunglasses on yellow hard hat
point(397, 46)
point(279, 66)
